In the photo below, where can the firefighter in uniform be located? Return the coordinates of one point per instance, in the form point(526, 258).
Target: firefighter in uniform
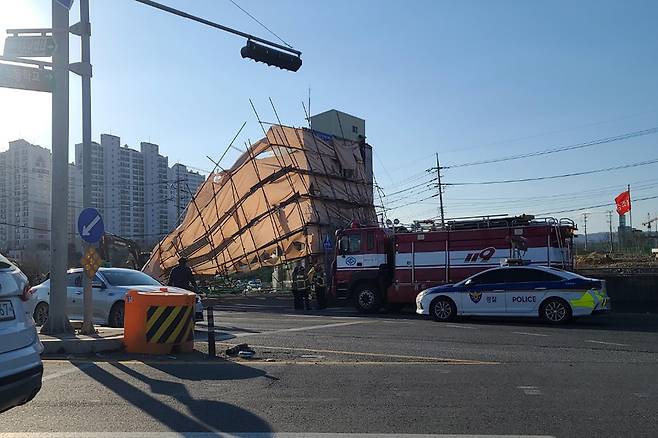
point(299, 287)
point(320, 283)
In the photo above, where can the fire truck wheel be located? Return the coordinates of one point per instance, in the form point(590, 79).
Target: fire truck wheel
point(443, 309)
point(367, 299)
point(555, 311)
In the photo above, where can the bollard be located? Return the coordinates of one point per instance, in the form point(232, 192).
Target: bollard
point(159, 321)
point(211, 333)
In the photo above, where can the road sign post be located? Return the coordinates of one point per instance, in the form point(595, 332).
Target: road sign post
point(83, 29)
point(327, 246)
point(91, 229)
point(58, 321)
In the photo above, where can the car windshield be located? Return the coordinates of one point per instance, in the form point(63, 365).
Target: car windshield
point(129, 278)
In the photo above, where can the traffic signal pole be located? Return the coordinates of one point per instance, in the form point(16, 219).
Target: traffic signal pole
point(271, 53)
point(58, 321)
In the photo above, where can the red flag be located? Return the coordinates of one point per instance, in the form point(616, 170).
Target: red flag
point(623, 201)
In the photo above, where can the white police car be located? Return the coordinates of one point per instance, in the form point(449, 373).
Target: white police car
point(552, 294)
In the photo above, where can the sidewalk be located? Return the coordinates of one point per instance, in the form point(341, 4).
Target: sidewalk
point(107, 339)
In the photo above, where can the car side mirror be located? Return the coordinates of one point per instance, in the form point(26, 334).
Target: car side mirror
point(468, 282)
point(98, 285)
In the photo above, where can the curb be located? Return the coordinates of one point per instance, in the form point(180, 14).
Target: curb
point(82, 346)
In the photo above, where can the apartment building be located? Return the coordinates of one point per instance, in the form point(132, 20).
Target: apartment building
point(183, 184)
point(24, 199)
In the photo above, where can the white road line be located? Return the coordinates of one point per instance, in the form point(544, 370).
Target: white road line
point(247, 435)
point(294, 329)
point(461, 326)
point(530, 390)
point(529, 334)
point(73, 369)
point(608, 343)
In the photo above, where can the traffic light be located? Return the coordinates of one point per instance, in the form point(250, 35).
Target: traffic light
point(270, 56)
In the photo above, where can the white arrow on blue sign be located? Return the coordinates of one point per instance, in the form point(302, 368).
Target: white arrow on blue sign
point(66, 3)
point(90, 225)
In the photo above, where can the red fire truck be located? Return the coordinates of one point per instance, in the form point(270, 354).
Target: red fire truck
point(376, 266)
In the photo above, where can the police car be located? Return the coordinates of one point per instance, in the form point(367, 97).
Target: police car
point(549, 293)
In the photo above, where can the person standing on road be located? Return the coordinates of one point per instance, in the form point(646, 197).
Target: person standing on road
point(320, 283)
point(181, 276)
point(298, 286)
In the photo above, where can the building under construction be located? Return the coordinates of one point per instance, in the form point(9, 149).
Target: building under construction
point(277, 203)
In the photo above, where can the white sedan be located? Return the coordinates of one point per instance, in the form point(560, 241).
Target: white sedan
point(549, 293)
point(109, 288)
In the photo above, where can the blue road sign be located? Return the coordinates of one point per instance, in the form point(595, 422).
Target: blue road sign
point(90, 225)
point(327, 243)
point(66, 3)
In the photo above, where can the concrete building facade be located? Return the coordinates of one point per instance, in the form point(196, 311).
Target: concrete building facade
point(25, 177)
point(183, 184)
point(132, 189)
point(349, 127)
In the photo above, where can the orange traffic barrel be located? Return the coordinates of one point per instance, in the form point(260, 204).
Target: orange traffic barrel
point(159, 321)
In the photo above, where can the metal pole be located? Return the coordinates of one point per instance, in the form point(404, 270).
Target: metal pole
point(58, 321)
point(438, 176)
point(211, 333)
point(85, 28)
point(630, 210)
point(612, 247)
point(217, 26)
point(585, 220)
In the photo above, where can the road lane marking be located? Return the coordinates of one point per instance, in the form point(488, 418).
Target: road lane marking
point(266, 332)
point(248, 435)
point(73, 369)
point(530, 390)
point(529, 334)
point(363, 353)
point(608, 343)
point(302, 329)
point(461, 326)
point(224, 362)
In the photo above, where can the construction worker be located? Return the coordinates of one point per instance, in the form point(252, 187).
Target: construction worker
point(182, 276)
point(299, 286)
point(320, 283)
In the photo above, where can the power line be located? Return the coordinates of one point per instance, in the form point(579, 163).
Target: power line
point(413, 187)
point(257, 21)
point(558, 149)
point(564, 175)
point(607, 204)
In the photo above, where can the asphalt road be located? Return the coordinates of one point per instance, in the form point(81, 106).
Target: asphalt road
point(340, 372)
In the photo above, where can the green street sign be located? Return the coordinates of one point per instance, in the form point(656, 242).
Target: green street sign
point(26, 78)
point(29, 46)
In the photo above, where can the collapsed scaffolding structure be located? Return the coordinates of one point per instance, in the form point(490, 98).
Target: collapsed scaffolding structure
point(276, 204)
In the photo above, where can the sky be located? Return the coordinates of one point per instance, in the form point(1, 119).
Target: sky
point(469, 80)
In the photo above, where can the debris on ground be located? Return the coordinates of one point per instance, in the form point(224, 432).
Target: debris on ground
point(241, 350)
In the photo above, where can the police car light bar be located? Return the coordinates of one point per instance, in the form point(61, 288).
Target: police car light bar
point(514, 262)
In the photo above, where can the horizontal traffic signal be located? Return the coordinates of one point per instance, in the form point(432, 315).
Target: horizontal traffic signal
point(270, 56)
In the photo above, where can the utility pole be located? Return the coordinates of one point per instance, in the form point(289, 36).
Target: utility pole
point(58, 321)
point(438, 177)
point(585, 227)
point(609, 213)
point(83, 29)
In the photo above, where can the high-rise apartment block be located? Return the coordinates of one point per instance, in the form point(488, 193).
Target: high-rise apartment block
point(137, 194)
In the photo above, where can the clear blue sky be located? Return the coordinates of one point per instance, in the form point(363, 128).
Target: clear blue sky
point(470, 80)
